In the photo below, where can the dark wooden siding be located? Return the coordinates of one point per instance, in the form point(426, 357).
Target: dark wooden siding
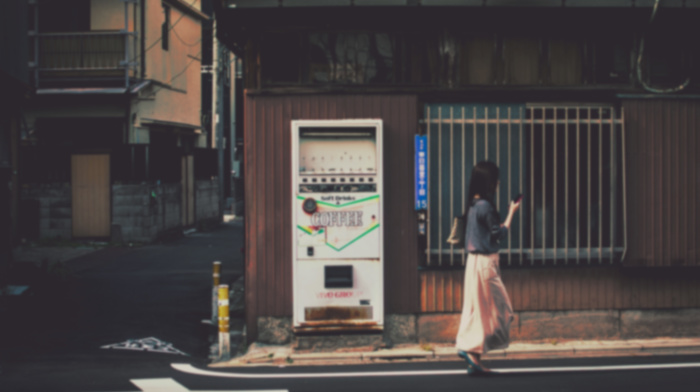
point(663, 174)
point(268, 191)
point(584, 288)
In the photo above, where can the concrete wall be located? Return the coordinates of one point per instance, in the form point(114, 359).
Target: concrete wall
point(140, 212)
point(55, 212)
point(527, 326)
point(207, 200)
point(134, 212)
point(170, 205)
point(575, 325)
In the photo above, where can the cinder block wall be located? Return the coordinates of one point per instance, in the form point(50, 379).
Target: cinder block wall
point(170, 204)
point(142, 211)
point(207, 200)
point(131, 211)
point(55, 212)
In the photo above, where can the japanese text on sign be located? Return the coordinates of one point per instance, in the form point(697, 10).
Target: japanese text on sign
point(421, 177)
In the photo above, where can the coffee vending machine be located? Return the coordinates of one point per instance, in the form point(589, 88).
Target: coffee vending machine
point(338, 218)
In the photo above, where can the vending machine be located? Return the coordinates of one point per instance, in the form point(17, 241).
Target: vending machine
point(338, 224)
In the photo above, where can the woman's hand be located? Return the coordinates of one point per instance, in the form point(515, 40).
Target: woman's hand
point(513, 207)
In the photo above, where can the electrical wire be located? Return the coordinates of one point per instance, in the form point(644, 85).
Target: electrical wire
point(195, 58)
point(183, 41)
point(170, 28)
point(640, 56)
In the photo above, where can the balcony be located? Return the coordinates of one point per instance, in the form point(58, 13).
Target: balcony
point(85, 59)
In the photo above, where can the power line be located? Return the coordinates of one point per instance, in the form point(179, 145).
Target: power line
point(183, 41)
point(170, 28)
point(179, 73)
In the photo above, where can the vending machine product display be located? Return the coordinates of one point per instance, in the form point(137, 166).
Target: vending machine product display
point(337, 207)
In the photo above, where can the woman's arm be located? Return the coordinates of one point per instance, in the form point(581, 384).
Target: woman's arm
point(511, 211)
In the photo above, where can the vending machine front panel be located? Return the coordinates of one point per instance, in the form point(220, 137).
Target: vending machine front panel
point(337, 211)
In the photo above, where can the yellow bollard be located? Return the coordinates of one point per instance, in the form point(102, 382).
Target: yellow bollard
point(214, 291)
point(224, 336)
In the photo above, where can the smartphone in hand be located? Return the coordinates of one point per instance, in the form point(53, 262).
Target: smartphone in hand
point(518, 198)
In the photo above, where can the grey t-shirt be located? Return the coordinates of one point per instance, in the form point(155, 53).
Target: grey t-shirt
point(484, 228)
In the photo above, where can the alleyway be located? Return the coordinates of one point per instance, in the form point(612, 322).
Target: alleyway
point(161, 290)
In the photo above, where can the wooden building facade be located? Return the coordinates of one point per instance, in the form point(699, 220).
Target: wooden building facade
point(603, 149)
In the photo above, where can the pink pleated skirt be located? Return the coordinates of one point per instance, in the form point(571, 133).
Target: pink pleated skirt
point(487, 311)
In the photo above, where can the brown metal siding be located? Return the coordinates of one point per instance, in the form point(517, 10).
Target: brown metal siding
point(268, 192)
point(663, 170)
point(573, 289)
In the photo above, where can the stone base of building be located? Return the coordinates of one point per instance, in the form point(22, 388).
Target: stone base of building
point(575, 325)
point(527, 326)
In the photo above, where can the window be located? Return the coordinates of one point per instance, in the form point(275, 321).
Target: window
point(165, 28)
point(566, 160)
point(64, 16)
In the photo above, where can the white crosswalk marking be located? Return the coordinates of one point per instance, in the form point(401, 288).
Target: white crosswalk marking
point(159, 385)
point(170, 385)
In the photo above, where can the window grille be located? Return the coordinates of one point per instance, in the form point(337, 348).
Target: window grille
point(568, 161)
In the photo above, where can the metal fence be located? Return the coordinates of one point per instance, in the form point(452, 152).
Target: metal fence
point(82, 51)
point(568, 161)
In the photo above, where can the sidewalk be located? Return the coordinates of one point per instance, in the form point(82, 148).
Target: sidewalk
point(267, 355)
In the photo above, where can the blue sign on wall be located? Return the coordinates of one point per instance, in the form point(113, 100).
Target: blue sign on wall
point(421, 172)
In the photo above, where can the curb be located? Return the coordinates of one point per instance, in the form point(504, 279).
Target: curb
point(278, 355)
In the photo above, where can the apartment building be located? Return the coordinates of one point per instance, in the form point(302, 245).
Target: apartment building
point(113, 145)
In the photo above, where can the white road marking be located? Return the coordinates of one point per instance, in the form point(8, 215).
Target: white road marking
point(187, 368)
point(170, 385)
point(159, 385)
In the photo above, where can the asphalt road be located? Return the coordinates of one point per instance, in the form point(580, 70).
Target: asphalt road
point(161, 290)
point(133, 372)
point(52, 341)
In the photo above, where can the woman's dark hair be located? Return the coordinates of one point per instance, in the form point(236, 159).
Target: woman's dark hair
point(483, 182)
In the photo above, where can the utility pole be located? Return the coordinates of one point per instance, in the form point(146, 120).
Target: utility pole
point(235, 169)
point(221, 68)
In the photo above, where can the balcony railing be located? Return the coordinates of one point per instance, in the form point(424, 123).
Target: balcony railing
point(85, 56)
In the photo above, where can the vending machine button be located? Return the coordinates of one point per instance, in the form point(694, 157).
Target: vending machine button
point(309, 206)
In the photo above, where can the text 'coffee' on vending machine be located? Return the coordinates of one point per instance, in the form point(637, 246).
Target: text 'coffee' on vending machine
point(338, 271)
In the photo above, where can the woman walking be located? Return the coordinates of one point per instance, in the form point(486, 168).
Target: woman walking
point(487, 311)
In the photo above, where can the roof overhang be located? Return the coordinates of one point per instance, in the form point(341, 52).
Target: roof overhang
point(187, 128)
point(94, 90)
point(187, 8)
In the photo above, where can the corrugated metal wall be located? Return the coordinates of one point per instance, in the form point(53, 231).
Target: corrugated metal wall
point(268, 192)
point(574, 288)
point(663, 174)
